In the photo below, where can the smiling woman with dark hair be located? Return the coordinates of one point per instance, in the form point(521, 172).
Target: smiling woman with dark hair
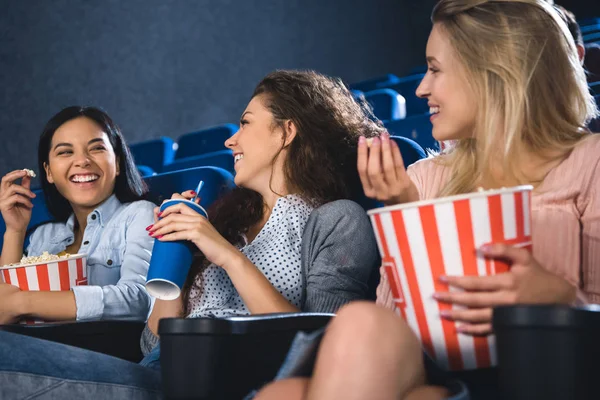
point(94, 192)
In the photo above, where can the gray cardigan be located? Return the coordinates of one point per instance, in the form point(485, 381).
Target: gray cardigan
point(339, 254)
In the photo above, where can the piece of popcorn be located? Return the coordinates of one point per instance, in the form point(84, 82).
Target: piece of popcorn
point(369, 142)
point(30, 172)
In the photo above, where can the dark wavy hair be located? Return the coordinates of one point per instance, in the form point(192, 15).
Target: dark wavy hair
point(129, 185)
point(321, 161)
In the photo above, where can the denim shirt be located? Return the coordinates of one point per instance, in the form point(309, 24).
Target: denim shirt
point(118, 252)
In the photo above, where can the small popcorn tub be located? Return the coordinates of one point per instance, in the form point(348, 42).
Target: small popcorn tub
point(46, 273)
point(421, 241)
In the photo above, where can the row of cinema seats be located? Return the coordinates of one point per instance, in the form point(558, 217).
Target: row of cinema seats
point(392, 98)
point(199, 356)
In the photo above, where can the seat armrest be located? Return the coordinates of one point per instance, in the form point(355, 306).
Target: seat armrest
point(207, 358)
point(116, 338)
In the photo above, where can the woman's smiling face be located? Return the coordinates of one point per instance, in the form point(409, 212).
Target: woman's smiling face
point(82, 163)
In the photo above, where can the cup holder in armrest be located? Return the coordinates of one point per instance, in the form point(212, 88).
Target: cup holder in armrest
point(206, 358)
point(548, 352)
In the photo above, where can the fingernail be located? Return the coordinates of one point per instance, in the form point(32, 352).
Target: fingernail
point(361, 140)
point(460, 328)
point(192, 192)
point(159, 236)
point(376, 142)
point(385, 138)
point(445, 313)
point(443, 278)
point(149, 227)
point(486, 248)
point(159, 214)
point(437, 296)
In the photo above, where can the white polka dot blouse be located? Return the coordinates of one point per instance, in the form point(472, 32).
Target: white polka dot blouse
point(275, 252)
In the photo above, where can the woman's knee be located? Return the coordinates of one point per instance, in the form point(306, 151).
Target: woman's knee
point(289, 389)
point(366, 325)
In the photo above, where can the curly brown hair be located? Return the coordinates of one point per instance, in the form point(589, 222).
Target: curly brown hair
point(321, 161)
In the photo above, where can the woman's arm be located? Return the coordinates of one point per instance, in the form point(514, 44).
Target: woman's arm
point(53, 306)
point(12, 248)
point(127, 299)
point(259, 295)
point(164, 309)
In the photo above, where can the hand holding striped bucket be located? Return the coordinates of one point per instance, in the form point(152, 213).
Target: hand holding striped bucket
point(421, 241)
point(55, 275)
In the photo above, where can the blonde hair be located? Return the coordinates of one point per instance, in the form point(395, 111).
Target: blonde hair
point(531, 91)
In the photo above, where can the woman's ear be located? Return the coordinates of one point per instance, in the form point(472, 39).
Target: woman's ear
point(48, 173)
point(290, 130)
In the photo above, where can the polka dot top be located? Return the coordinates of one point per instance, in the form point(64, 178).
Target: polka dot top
point(275, 252)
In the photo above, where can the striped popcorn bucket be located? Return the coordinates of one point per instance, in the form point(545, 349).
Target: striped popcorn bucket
point(53, 275)
point(421, 241)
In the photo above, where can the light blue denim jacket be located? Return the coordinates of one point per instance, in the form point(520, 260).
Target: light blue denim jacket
point(118, 252)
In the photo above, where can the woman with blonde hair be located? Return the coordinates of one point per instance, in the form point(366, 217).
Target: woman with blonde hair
point(506, 88)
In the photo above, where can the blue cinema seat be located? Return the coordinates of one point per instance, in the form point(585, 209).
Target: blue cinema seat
point(387, 104)
point(591, 38)
point(222, 159)
point(217, 182)
point(590, 29)
point(407, 87)
point(204, 141)
point(154, 153)
point(145, 170)
point(588, 21)
point(375, 83)
point(417, 128)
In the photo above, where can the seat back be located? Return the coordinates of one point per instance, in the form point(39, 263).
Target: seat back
point(204, 141)
point(376, 83)
point(145, 170)
point(387, 104)
point(417, 128)
point(154, 153)
point(407, 87)
point(217, 182)
point(221, 159)
point(592, 37)
point(588, 21)
point(590, 29)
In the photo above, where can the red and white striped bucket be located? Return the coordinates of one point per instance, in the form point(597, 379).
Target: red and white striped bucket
point(421, 241)
point(56, 275)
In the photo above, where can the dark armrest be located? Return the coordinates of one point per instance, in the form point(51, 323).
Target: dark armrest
point(116, 338)
point(548, 352)
point(206, 358)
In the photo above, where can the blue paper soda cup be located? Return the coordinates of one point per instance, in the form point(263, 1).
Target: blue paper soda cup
point(171, 261)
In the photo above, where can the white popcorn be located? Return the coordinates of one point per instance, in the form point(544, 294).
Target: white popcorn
point(30, 172)
point(44, 258)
